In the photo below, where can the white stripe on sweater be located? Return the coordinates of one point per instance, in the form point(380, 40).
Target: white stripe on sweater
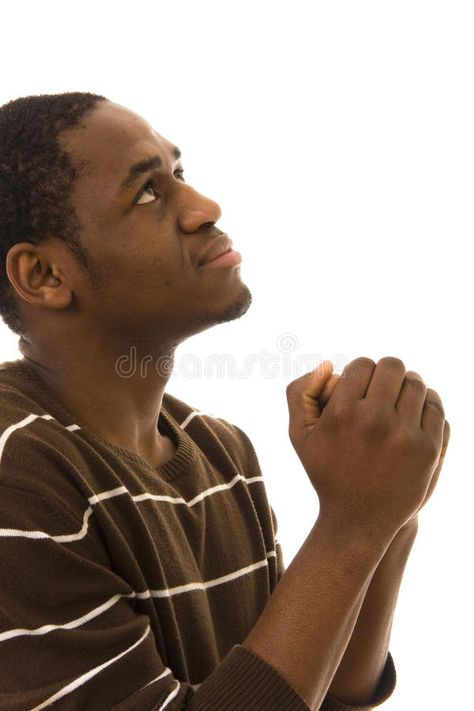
point(88, 675)
point(9, 634)
point(145, 595)
point(72, 428)
point(164, 673)
point(23, 423)
point(193, 414)
point(18, 425)
point(170, 697)
point(190, 587)
point(119, 491)
point(38, 535)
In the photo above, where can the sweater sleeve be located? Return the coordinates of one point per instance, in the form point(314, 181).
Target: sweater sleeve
point(384, 691)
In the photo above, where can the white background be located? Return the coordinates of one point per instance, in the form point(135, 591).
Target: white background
point(338, 139)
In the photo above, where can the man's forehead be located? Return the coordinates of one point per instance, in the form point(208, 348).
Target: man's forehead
point(113, 136)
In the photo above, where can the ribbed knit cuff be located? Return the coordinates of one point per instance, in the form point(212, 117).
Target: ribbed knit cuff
point(243, 681)
point(385, 689)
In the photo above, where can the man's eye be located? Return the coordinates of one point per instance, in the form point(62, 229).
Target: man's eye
point(148, 194)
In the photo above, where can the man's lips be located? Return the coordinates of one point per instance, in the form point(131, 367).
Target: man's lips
point(220, 246)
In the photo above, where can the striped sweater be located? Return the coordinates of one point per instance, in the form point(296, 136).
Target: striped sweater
point(128, 587)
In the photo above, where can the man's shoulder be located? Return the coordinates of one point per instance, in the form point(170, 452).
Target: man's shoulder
point(33, 438)
point(20, 401)
point(206, 427)
point(196, 419)
point(17, 404)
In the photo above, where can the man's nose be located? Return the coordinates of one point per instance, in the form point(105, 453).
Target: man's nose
point(197, 210)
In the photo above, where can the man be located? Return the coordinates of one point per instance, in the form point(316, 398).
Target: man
point(139, 567)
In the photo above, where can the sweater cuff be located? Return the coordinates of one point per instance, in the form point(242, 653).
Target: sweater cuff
point(243, 681)
point(384, 690)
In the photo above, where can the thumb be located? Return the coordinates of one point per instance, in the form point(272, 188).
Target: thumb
point(302, 395)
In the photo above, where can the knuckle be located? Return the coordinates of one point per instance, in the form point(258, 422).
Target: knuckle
point(341, 409)
point(339, 415)
point(375, 424)
point(421, 444)
point(391, 362)
point(415, 443)
point(433, 400)
point(358, 364)
point(431, 447)
point(415, 380)
point(362, 361)
point(406, 440)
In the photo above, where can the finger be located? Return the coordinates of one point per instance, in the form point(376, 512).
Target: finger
point(411, 400)
point(442, 454)
point(314, 385)
point(446, 436)
point(328, 389)
point(387, 381)
point(432, 419)
point(439, 466)
point(354, 379)
point(444, 445)
point(302, 395)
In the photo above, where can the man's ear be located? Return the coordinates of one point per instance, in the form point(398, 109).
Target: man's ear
point(36, 276)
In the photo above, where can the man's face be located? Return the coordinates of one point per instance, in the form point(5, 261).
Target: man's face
point(145, 235)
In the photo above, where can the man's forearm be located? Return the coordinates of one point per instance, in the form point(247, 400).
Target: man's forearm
point(306, 625)
point(359, 672)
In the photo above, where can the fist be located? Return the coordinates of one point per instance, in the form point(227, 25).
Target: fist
point(371, 440)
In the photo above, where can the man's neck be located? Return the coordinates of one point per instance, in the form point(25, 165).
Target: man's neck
point(116, 393)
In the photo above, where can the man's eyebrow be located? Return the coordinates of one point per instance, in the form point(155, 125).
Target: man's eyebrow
point(144, 166)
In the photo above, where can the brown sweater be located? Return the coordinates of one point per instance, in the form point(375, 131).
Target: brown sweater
point(128, 587)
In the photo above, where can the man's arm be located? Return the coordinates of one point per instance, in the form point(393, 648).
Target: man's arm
point(306, 626)
point(370, 457)
point(361, 667)
point(363, 662)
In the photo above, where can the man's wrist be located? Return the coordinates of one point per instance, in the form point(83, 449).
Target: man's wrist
point(357, 540)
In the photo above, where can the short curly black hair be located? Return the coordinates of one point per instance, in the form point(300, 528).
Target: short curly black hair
point(36, 180)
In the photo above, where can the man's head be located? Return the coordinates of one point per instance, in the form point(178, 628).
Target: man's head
point(99, 233)
point(36, 179)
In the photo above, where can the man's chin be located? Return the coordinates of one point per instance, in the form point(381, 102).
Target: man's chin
point(230, 312)
point(238, 307)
